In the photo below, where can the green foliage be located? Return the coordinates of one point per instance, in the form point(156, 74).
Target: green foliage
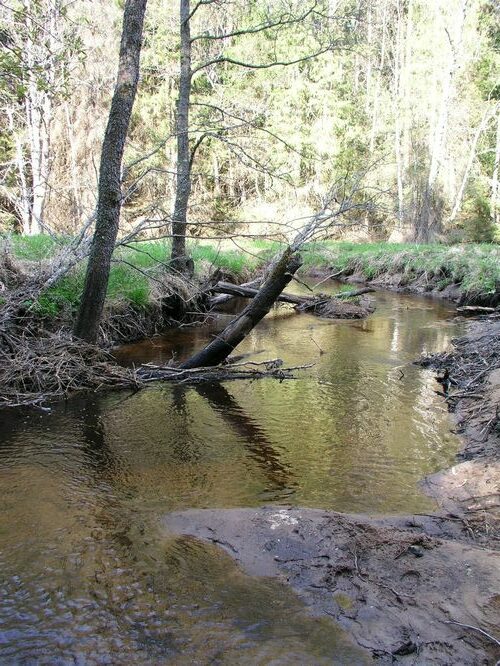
point(34, 248)
point(477, 220)
point(126, 283)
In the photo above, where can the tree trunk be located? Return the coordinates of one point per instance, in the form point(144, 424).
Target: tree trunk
point(77, 202)
point(39, 104)
point(251, 292)
point(495, 203)
point(22, 202)
point(109, 191)
point(429, 218)
point(399, 101)
point(245, 291)
point(378, 80)
point(222, 346)
point(183, 181)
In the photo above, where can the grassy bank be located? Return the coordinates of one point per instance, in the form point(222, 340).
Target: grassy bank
point(136, 273)
point(472, 271)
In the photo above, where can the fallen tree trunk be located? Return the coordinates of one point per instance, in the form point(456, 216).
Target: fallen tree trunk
point(225, 297)
point(222, 346)
point(246, 291)
point(473, 310)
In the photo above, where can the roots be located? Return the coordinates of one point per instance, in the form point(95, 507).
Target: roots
point(172, 300)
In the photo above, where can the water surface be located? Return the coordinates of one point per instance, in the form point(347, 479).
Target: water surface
point(86, 575)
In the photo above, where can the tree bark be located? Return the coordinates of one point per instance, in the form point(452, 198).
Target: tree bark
point(250, 292)
point(399, 101)
point(429, 219)
point(109, 192)
point(222, 346)
point(183, 179)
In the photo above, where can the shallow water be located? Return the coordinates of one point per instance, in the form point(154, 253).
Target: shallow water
point(87, 577)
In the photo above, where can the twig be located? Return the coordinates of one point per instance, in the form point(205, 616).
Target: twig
point(330, 277)
point(470, 626)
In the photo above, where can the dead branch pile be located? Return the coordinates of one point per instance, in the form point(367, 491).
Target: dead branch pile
point(45, 369)
point(335, 308)
point(172, 300)
point(12, 273)
point(471, 374)
point(248, 370)
point(472, 357)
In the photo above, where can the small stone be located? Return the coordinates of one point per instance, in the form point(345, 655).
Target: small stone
point(415, 550)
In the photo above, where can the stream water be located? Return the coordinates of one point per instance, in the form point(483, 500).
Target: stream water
point(87, 576)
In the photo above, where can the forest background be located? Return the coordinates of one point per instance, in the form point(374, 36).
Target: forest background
point(404, 92)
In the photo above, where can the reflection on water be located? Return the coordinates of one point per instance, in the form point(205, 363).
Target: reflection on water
point(86, 577)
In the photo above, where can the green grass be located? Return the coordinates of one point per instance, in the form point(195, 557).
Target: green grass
point(126, 284)
point(34, 248)
point(475, 267)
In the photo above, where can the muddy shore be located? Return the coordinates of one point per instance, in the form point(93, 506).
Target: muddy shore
point(419, 589)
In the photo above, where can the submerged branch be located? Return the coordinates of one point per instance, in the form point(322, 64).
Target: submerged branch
point(249, 370)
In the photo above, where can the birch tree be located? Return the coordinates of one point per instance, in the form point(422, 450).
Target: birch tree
point(39, 45)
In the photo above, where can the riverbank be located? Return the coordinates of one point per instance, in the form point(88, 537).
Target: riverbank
point(410, 589)
point(471, 489)
point(464, 274)
point(144, 298)
point(403, 592)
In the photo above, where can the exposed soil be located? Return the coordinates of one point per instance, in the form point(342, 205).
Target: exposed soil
point(421, 589)
point(471, 489)
point(389, 582)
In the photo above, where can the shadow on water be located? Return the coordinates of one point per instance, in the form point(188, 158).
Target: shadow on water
point(86, 576)
point(280, 474)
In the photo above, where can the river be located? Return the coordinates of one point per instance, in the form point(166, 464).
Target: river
point(87, 576)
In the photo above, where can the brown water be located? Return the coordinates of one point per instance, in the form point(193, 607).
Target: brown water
point(86, 575)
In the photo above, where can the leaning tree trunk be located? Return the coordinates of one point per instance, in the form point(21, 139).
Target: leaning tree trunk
point(183, 181)
point(109, 195)
point(222, 346)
